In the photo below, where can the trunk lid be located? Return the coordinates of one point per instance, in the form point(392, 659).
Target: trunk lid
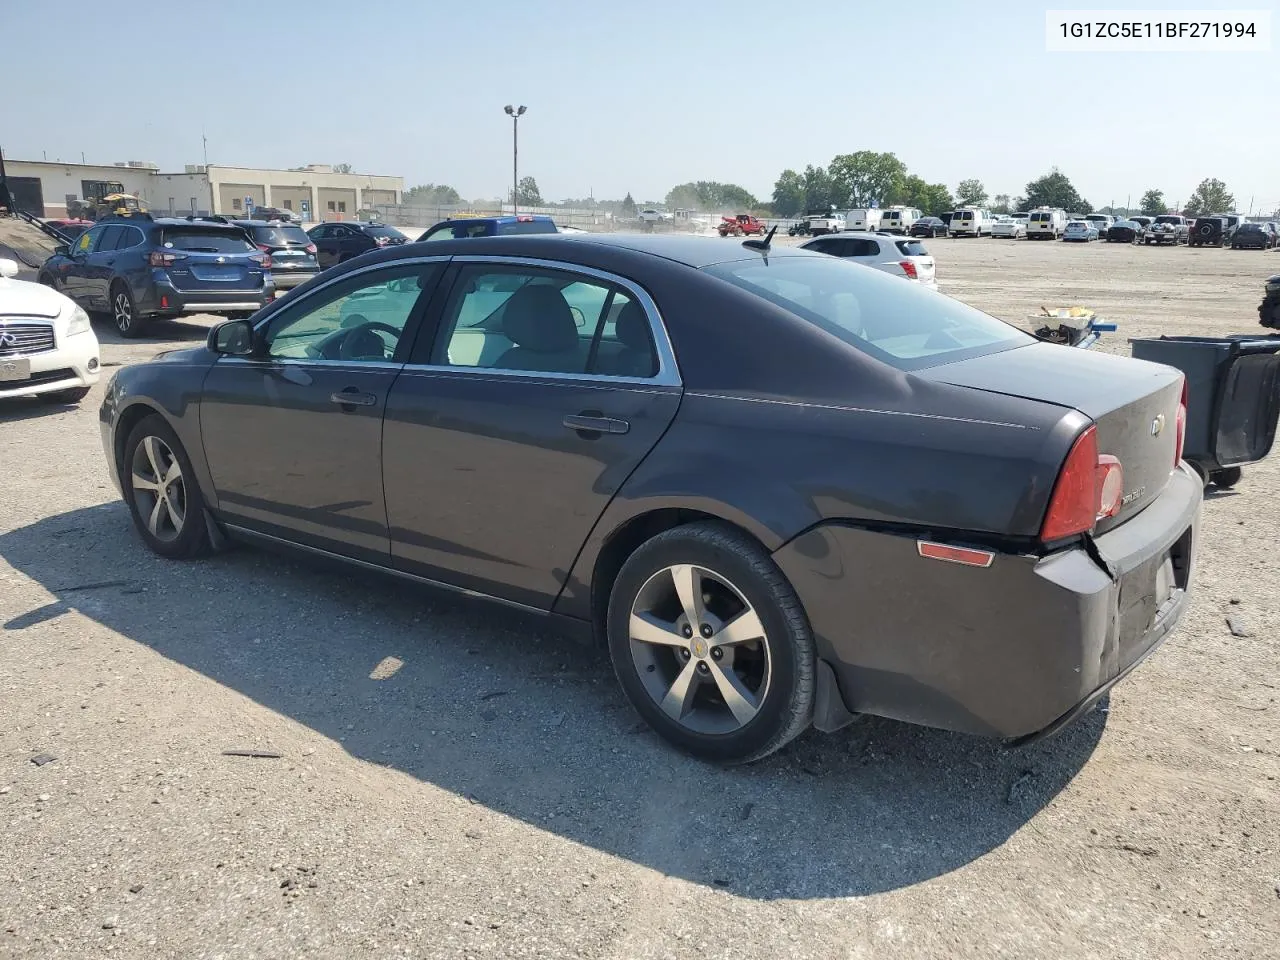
point(1133, 402)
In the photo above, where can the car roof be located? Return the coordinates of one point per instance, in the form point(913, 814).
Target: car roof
point(262, 223)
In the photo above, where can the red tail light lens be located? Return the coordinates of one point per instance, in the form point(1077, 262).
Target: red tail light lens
point(382, 241)
point(1090, 488)
point(909, 269)
point(264, 248)
point(311, 249)
point(1182, 426)
point(264, 260)
point(159, 259)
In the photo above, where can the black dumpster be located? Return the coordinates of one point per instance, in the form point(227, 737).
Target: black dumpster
point(1233, 398)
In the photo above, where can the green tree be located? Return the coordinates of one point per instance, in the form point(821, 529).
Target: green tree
point(1153, 203)
point(788, 194)
point(527, 193)
point(1000, 203)
point(1209, 198)
point(931, 198)
point(711, 195)
point(432, 194)
point(866, 178)
point(628, 208)
point(820, 192)
point(343, 168)
point(971, 193)
point(1054, 190)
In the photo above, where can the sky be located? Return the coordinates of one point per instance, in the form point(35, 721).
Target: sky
point(636, 97)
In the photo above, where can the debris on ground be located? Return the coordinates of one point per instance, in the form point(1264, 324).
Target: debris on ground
point(264, 754)
point(40, 759)
point(1237, 626)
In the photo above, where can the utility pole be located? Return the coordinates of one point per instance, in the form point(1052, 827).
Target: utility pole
point(515, 113)
point(204, 142)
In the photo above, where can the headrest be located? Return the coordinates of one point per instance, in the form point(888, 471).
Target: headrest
point(539, 319)
point(632, 326)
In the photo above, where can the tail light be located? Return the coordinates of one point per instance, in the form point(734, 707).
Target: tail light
point(909, 269)
point(382, 241)
point(1182, 426)
point(1090, 487)
point(160, 259)
point(264, 248)
point(264, 261)
point(311, 249)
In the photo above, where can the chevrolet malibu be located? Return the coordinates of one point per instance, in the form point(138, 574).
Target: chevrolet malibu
point(782, 489)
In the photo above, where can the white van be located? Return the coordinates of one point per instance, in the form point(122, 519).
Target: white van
point(970, 222)
point(862, 218)
point(1046, 224)
point(899, 219)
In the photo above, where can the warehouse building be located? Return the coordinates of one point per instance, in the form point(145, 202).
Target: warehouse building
point(315, 192)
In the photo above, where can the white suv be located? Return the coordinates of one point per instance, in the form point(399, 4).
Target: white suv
point(47, 347)
point(901, 256)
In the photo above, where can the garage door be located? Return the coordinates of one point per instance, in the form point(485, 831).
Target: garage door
point(28, 194)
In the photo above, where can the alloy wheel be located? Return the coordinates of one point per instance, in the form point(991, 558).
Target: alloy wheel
point(700, 649)
point(159, 489)
point(122, 310)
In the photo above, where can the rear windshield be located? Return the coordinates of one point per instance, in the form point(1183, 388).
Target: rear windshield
point(281, 236)
point(1041, 217)
point(903, 324)
point(963, 215)
point(912, 248)
point(206, 241)
point(1173, 220)
point(526, 226)
point(382, 230)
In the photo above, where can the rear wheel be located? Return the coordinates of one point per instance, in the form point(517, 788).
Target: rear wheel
point(162, 492)
point(1227, 477)
point(124, 312)
point(711, 645)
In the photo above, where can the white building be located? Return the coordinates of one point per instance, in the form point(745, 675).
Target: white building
point(315, 191)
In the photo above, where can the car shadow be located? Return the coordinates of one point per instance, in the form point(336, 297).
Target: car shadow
point(31, 408)
point(504, 711)
point(188, 329)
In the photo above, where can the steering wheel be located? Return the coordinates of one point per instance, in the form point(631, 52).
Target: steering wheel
point(357, 342)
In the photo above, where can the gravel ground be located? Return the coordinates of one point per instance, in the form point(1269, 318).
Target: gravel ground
point(453, 781)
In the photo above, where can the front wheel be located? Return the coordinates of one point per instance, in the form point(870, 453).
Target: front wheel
point(162, 492)
point(711, 645)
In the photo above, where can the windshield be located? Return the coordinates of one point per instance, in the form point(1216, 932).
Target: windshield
point(196, 240)
point(280, 236)
point(903, 324)
point(526, 226)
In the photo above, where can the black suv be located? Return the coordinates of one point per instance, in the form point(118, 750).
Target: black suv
point(1207, 231)
point(138, 267)
point(293, 255)
point(1257, 236)
point(339, 242)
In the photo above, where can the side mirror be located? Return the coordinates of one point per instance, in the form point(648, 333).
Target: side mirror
point(62, 250)
point(234, 338)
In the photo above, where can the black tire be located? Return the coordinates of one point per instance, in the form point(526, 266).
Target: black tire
point(70, 395)
point(124, 312)
point(787, 707)
point(1227, 477)
point(46, 280)
point(192, 536)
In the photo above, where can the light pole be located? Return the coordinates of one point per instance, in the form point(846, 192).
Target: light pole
point(514, 113)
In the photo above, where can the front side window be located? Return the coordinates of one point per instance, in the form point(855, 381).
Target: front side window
point(905, 325)
point(88, 241)
point(550, 321)
point(361, 319)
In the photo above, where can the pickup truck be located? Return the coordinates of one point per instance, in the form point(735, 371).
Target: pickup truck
point(743, 223)
point(1168, 228)
point(828, 223)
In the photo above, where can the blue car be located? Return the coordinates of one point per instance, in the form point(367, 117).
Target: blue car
point(136, 267)
point(1083, 230)
point(464, 227)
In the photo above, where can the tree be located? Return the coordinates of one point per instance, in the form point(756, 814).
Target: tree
point(1000, 203)
point(527, 194)
point(1153, 203)
point(628, 208)
point(433, 195)
point(1054, 190)
point(931, 198)
point(971, 193)
point(711, 195)
point(1209, 198)
point(343, 168)
point(820, 192)
point(788, 194)
point(866, 178)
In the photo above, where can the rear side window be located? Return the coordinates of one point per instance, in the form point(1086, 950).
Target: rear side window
point(907, 326)
point(526, 226)
point(110, 237)
point(860, 247)
point(912, 248)
point(281, 236)
point(196, 240)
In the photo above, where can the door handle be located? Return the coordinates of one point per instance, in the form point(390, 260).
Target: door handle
point(351, 397)
point(594, 423)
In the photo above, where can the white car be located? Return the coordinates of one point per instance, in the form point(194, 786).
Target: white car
point(901, 256)
point(1080, 230)
point(1011, 228)
point(47, 347)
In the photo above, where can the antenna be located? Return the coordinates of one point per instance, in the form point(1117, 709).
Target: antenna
point(762, 245)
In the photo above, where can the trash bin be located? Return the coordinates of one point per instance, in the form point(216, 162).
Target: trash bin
point(1233, 398)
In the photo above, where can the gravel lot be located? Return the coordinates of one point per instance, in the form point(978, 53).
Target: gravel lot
point(457, 782)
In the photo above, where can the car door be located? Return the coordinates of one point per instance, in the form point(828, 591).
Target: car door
point(293, 435)
point(100, 264)
point(72, 272)
point(513, 427)
point(326, 245)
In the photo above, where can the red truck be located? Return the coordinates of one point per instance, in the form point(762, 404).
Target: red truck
point(742, 224)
